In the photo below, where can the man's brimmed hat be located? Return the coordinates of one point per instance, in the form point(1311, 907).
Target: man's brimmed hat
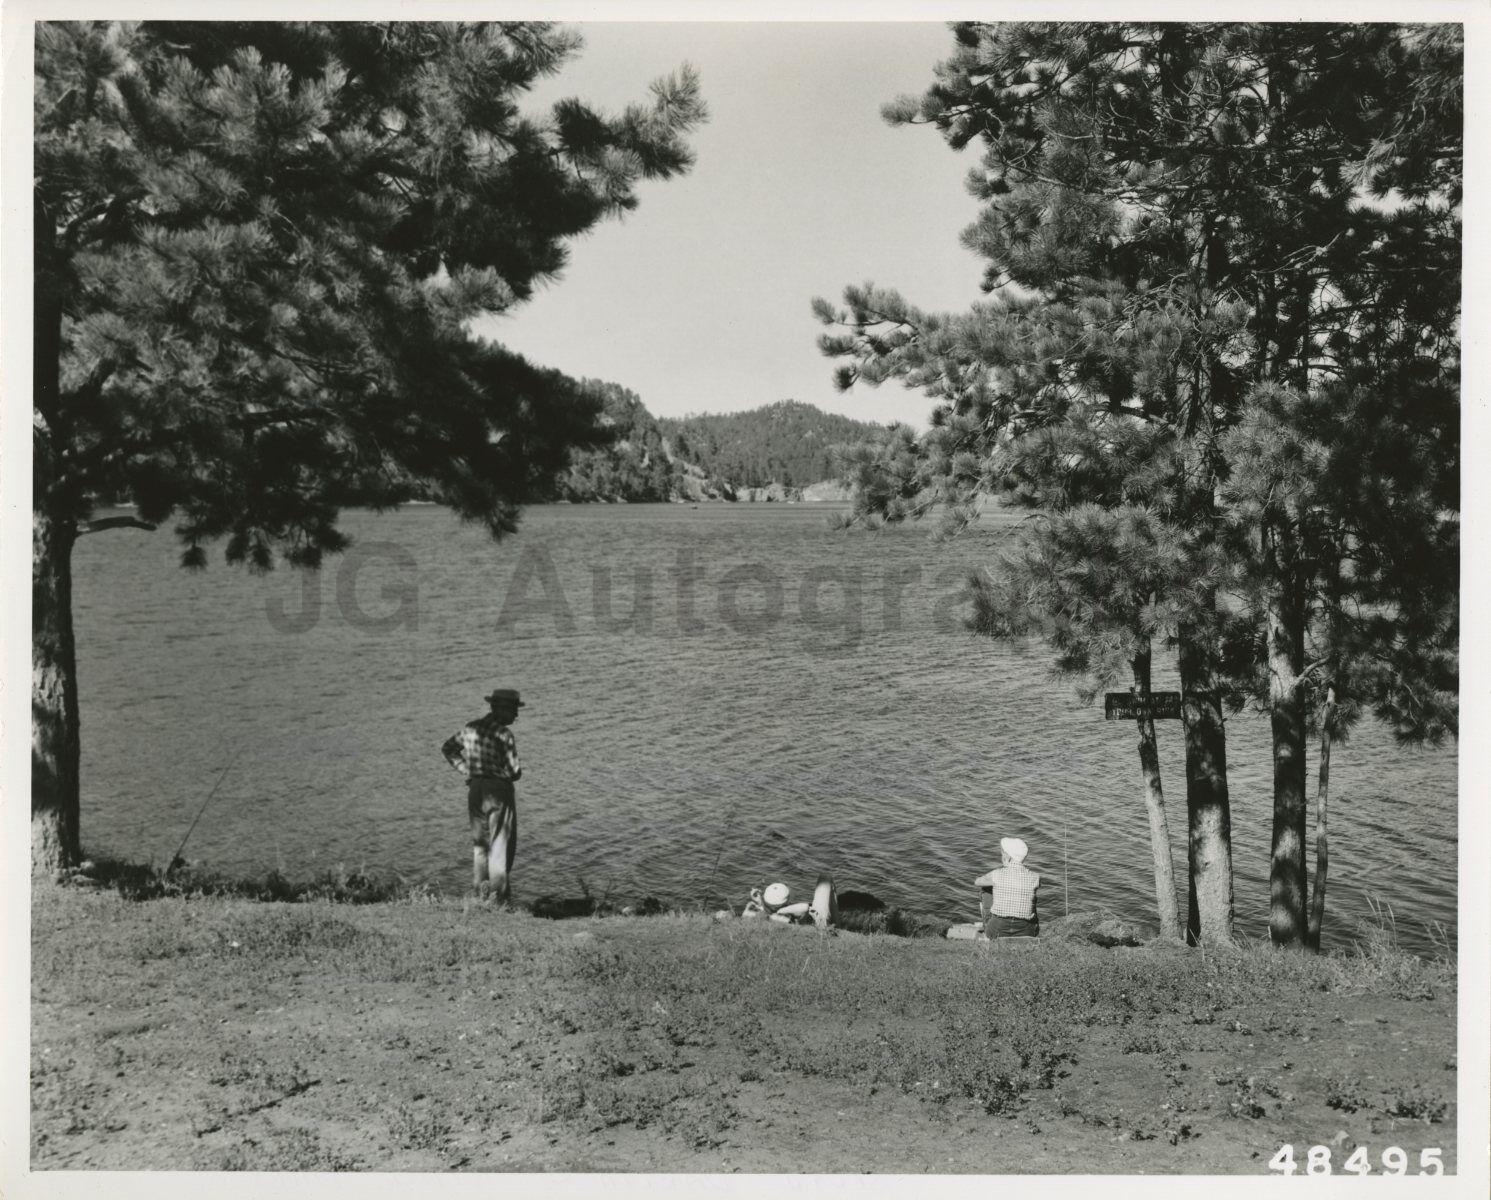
point(1015, 848)
point(497, 695)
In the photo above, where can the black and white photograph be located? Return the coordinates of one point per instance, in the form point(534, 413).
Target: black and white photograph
point(852, 592)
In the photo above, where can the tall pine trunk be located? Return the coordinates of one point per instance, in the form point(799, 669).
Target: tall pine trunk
point(54, 696)
point(1209, 815)
point(1288, 882)
point(1208, 810)
point(54, 667)
point(1322, 794)
point(1154, 801)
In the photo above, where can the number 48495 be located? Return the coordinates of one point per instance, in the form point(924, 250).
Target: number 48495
point(1359, 1162)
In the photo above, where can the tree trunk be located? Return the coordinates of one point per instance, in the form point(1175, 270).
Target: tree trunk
point(54, 677)
point(1209, 817)
point(1317, 896)
point(1287, 882)
point(54, 696)
point(1154, 802)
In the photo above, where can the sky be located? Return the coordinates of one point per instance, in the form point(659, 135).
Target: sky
point(699, 300)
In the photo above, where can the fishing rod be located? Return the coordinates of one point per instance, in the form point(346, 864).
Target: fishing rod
point(176, 858)
point(724, 836)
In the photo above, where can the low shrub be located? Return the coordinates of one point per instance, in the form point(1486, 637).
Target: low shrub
point(1345, 1093)
point(1417, 1104)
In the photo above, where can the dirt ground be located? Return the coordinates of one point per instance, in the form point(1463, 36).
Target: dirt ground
point(220, 1035)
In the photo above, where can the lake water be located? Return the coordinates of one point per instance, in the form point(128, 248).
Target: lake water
point(716, 698)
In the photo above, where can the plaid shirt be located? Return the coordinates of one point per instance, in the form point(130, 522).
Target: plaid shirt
point(485, 748)
point(1014, 891)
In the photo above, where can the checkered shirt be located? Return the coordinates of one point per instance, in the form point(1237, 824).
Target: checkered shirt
point(1014, 891)
point(485, 748)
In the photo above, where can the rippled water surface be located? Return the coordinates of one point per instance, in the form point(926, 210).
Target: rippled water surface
point(716, 697)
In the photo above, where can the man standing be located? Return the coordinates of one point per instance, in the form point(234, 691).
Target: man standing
point(486, 752)
point(1008, 900)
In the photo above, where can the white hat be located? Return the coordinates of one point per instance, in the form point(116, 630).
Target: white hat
point(1015, 848)
point(776, 894)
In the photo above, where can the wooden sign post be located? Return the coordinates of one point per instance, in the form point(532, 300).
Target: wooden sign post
point(1125, 706)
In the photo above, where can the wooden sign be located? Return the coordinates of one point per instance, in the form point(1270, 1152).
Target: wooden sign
point(1163, 706)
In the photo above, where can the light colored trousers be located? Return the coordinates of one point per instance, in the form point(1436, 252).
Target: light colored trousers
point(492, 806)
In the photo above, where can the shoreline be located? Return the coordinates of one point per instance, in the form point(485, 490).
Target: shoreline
point(860, 910)
point(223, 1033)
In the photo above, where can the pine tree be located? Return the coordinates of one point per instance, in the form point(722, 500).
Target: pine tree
point(1344, 468)
point(1363, 483)
point(257, 251)
point(1183, 212)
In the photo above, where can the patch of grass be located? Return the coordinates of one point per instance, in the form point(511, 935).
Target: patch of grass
point(562, 1093)
point(296, 932)
point(63, 1102)
point(1445, 951)
point(253, 1084)
point(419, 1127)
point(725, 993)
point(679, 1026)
point(969, 1025)
point(1180, 1132)
point(1098, 928)
point(146, 881)
point(1417, 1104)
point(631, 1052)
point(697, 1110)
point(1374, 960)
point(1245, 1101)
point(1345, 1093)
point(293, 1149)
point(988, 1082)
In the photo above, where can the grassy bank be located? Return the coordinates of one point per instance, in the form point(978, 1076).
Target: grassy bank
point(216, 1032)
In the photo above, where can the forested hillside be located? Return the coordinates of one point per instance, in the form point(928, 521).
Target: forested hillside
point(726, 456)
point(787, 442)
point(635, 466)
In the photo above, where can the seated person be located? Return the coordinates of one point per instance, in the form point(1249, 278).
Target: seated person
point(1008, 900)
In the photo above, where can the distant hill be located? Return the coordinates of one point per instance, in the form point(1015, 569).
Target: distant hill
point(788, 443)
point(635, 467)
point(780, 452)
